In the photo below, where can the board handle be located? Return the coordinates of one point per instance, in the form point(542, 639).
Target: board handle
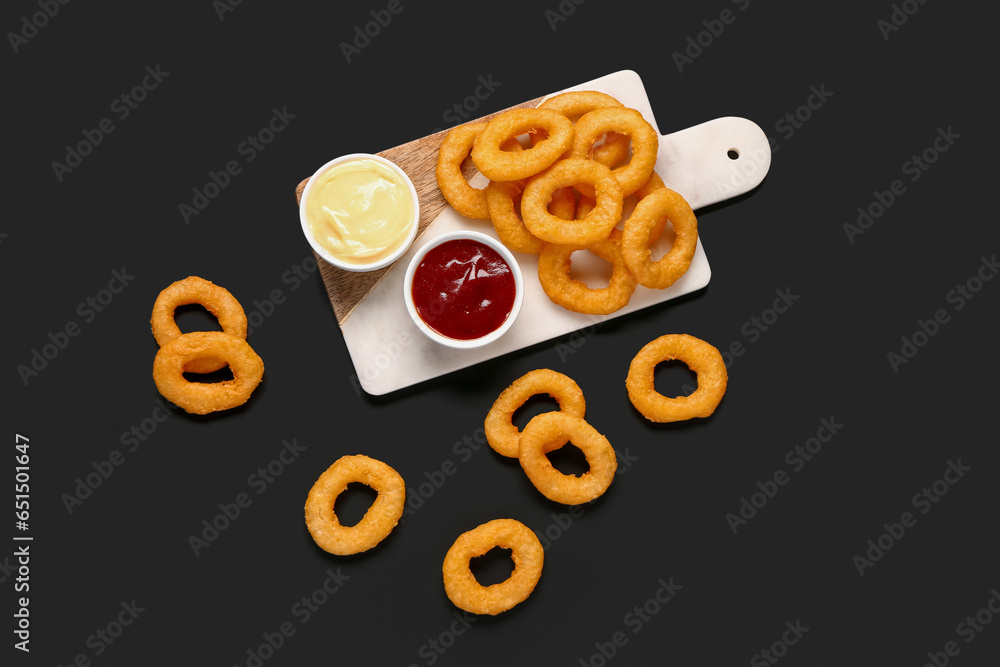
point(716, 160)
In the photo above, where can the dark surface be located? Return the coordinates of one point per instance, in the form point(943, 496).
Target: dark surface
point(664, 518)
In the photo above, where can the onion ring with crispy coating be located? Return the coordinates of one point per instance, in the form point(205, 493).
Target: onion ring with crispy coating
point(501, 434)
point(550, 431)
point(526, 552)
point(202, 398)
point(595, 227)
point(455, 147)
point(701, 357)
point(554, 263)
point(649, 187)
point(645, 143)
point(383, 515)
point(649, 218)
point(467, 200)
point(499, 165)
point(216, 299)
point(576, 103)
point(504, 200)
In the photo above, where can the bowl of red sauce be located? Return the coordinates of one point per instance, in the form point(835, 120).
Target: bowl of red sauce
point(463, 289)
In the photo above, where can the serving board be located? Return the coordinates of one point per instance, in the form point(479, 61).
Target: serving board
point(705, 164)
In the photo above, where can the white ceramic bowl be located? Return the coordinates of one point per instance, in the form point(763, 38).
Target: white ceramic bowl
point(454, 342)
point(323, 252)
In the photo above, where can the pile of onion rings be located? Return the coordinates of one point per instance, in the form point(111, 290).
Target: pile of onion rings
point(548, 432)
point(565, 189)
point(203, 351)
point(501, 434)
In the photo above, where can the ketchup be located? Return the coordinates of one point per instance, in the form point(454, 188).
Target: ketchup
point(463, 289)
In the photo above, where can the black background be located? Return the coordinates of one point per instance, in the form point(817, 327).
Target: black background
point(665, 515)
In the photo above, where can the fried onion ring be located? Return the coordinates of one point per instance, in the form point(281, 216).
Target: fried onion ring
point(648, 219)
point(501, 434)
point(645, 143)
point(526, 552)
point(576, 103)
point(216, 300)
point(504, 201)
point(202, 398)
point(595, 227)
point(499, 165)
point(550, 431)
point(554, 263)
point(701, 357)
point(383, 515)
point(456, 146)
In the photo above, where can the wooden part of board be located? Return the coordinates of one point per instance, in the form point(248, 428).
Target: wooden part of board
point(346, 289)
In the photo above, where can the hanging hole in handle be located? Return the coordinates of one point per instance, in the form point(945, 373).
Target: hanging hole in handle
point(733, 153)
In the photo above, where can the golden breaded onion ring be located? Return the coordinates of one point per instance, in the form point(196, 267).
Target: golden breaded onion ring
point(455, 147)
point(550, 431)
point(501, 434)
point(383, 515)
point(645, 224)
point(216, 300)
point(595, 227)
point(497, 164)
point(576, 103)
point(202, 398)
point(504, 201)
point(645, 143)
point(554, 263)
point(526, 552)
point(701, 357)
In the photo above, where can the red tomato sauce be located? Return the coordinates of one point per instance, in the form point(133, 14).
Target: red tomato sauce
point(463, 289)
